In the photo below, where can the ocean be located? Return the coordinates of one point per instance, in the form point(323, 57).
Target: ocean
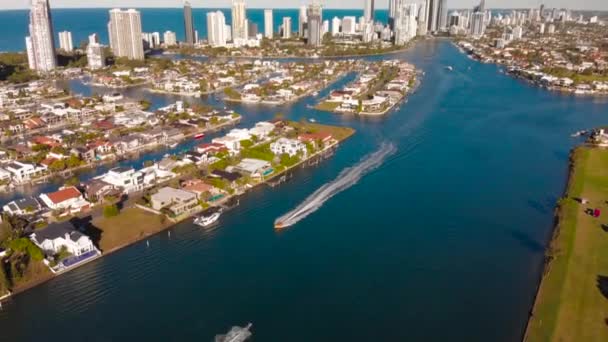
point(83, 22)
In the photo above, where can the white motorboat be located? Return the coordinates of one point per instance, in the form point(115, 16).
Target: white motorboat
point(207, 220)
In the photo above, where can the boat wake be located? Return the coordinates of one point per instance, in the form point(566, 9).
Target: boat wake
point(347, 178)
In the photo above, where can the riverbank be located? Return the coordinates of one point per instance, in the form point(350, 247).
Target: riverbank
point(571, 303)
point(134, 224)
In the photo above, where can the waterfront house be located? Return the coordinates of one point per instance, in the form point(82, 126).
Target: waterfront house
point(23, 172)
point(176, 200)
point(211, 148)
point(96, 189)
point(323, 137)
point(233, 144)
point(230, 177)
point(58, 235)
point(86, 154)
point(287, 146)
point(262, 129)
point(68, 199)
point(124, 178)
point(200, 188)
point(24, 206)
point(256, 168)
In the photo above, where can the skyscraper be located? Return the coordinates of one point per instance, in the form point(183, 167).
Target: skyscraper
point(443, 15)
point(368, 10)
point(96, 58)
point(239, 20)
point(40, 43)
point(124, 31)
point(286, 27)
point(216, 29)
point(188, 24)
point(169, 38)
point(433, 15)
point(65, 41)
point(315, 24)
point(422, 18)
point(302, 21)
point(268, 30)
point(392, 4)
point(477, 25)
point(406, 25)
point(335, 26)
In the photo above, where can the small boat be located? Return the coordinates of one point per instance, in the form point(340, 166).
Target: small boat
point(280, 225)
point(312, 120)
point(316, 93)
point(578, 133)
point(236, 334)
point(449, 67)
point(207, 220)
point(173, 145)
point(199, 136)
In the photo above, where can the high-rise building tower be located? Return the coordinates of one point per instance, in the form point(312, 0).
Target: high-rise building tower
point(65, 41)
point(239, 20)
point(422, 19)
point(335, 26)
point(302, 21)
point(216, 29)
point(443, 15)
point(406, 26)
point(286, 27)
point(40, 43)
point(189, 24)
point(477, 24)
point(392, 4)
point(368, 10)
point(315, 24)
point(268, 23)
point(124, 31)
point(96, 58)
point(433, 16)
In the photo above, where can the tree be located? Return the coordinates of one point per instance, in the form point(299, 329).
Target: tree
point(57, 165)
point(73, 161)
point(110, 210)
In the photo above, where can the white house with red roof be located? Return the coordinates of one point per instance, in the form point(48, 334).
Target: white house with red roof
point(68, 198)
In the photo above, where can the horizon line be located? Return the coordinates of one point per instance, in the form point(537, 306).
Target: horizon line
point(263, 8)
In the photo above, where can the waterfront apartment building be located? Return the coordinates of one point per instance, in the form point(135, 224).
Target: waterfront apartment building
point(96, 58)
point(169, 38)
point(216, 29)
point(124, 30)
point(40, 44)
point(302, 21)
point(406, 25)
point(239, 20)
point(335, 26)
point(189, 24)
point(268, 23)
point(368, 10)
point(443, 15)
point(65, 41)
point(286, 28)
point(314, 16)
point(349, 25)
point(422, 19)
point(477, 25)
point(94, 38)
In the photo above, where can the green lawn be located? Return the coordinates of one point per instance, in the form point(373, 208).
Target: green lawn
point(570, 305)
point(327, 106)
point(131, 225)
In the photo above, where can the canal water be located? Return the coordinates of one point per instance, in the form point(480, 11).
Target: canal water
point(444, 241)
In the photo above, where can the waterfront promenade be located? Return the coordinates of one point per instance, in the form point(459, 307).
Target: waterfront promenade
point(457, 239)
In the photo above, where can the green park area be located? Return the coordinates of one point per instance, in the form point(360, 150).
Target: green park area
point(131, 225)
point(572, 301)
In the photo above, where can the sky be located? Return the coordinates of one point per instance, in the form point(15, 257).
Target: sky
point(581, 4)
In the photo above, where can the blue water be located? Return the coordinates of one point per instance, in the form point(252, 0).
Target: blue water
point(444, 242)
point(14, 24)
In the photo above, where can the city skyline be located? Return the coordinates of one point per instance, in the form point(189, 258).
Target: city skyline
point(328, 4)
